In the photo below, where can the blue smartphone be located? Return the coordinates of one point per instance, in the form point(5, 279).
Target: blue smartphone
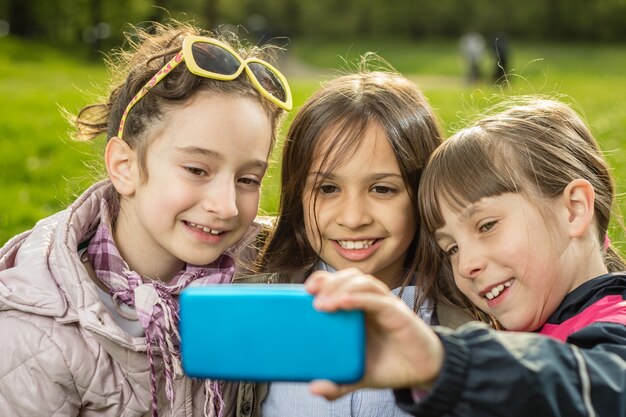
point(261, 332)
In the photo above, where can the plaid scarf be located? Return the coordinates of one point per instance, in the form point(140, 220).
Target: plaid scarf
point(157, 308)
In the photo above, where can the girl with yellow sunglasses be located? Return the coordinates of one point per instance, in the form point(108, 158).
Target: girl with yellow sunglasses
point(90, 311)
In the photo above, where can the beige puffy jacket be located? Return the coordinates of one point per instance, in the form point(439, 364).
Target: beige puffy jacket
point(61, 353)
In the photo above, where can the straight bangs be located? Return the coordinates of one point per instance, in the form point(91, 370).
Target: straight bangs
point(464, 170)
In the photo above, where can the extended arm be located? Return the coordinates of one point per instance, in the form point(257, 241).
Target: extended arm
point(476, 370)
point(487, 372)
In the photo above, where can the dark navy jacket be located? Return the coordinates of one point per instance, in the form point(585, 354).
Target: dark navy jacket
point(577, 367)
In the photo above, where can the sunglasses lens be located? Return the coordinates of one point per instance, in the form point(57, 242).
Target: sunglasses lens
point(268, 80)
point(214, 59)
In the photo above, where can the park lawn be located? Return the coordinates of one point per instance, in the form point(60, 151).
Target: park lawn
point(41, 169)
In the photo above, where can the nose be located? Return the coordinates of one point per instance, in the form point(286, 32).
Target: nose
point(353, 211)
point(471, 262)
point(220, 197)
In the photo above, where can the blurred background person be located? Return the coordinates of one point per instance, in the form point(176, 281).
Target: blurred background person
point(472, 46)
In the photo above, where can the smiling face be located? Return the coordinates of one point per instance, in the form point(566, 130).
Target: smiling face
point(359, 214)
point(201, 194)
point(506, 260)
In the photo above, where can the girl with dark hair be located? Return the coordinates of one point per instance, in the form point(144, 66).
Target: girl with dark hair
point(350, 172)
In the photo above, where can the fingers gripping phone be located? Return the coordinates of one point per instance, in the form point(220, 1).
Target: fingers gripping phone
point(260, 332)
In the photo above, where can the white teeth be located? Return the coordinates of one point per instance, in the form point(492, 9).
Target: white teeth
point(355, 244)
point(496, 291)
point(206, 229)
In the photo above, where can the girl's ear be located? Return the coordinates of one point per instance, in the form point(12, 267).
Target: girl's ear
point(579, 198)
point(119, 160)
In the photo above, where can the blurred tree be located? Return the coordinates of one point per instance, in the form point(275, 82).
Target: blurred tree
point(211, 13)
point(292, 17)
point(159, 10)
point(70, 21)
point(20, 16)
point(96, 23)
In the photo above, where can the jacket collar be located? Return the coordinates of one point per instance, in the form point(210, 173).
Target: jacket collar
point(587, 294)
point(40, 269)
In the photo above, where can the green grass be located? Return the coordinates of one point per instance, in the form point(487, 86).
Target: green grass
point(41, 170)
point(39, 167)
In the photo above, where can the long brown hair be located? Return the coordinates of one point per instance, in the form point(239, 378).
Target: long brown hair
point(347, 106)
point(535, 147)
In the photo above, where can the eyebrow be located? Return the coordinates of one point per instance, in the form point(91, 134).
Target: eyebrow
point(372, 177)
point(470, 211)
point(192, 150)
point(439, 235)
point(196, 150)
point(464, 215)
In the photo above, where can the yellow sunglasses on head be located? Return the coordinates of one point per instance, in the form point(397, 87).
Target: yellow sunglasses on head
point(209, 58)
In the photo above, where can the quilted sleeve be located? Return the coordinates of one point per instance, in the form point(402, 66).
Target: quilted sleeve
point(35, 379)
